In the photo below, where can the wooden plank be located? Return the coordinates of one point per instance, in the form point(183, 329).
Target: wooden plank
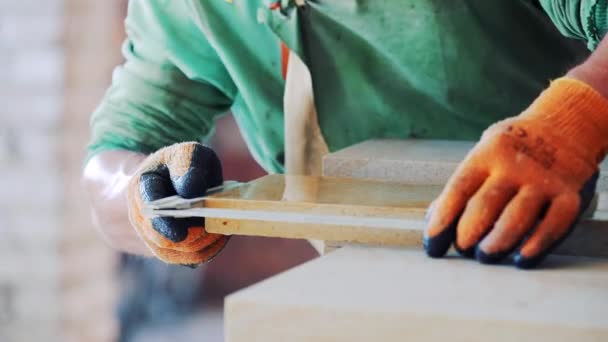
point(350, 211)
point(325, 208)
point(431, 162)
point(364, 210)
point(385, 294)
point(405, 161)
point(421, 162)
point(331, 195)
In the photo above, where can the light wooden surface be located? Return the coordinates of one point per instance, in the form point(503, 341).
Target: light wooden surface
point(367, 211)
point(408, 161)
point(342, 210)
point(327, 195)
point(315, 204)
point(384, 294)
point(421, 162)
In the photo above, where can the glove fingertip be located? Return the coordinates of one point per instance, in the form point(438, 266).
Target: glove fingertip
point(588, 189)
point(155, 184)
point(192, 184)
point(438, 245)
point(526, 263)
point(169, 228)
point(205, 171)
point(489, 258)
point(468, 253)
point(206, 158)
point(176, 229)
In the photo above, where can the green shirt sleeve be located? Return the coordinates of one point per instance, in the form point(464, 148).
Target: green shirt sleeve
point(155, 99)
point(582, 19)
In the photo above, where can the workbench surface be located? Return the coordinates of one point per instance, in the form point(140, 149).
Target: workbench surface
point(385, 294)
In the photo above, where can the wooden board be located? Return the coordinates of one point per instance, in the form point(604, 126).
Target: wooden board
point(431, 162)
point(393, 213)
point(385, 294)
point(366, 210)
point(423, 162)
point(419, 162)
point(342, 210)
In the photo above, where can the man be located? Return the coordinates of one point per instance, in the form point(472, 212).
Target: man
point(379, 69)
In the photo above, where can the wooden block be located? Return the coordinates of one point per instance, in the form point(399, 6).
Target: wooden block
point(421, 162)
point(384, 294)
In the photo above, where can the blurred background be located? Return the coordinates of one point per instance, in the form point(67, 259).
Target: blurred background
point(58, 280)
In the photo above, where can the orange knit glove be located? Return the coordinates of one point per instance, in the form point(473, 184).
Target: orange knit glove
point(188, 170)
point(526, 182)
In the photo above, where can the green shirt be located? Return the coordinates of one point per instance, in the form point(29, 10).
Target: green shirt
point(380, 69)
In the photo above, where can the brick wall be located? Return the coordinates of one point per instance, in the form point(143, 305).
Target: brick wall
point(93, 33)
point(30, 108)
point(55, 274)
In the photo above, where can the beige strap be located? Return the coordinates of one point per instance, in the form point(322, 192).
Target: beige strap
point(304, 143)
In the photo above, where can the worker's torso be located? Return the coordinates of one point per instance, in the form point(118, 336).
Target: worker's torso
point(386, 69)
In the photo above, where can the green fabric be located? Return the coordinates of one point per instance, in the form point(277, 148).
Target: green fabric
point(170, 89)
point(582, 19)
point(381, 69)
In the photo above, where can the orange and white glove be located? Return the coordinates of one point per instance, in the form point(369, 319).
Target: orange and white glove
point(523, 187)
point(187, 170)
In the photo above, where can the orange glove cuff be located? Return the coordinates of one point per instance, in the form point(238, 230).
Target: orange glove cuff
point(578, 112)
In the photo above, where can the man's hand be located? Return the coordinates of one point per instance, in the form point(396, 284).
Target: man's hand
point(187, 170)
point(120, 182)
point(524, 185)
